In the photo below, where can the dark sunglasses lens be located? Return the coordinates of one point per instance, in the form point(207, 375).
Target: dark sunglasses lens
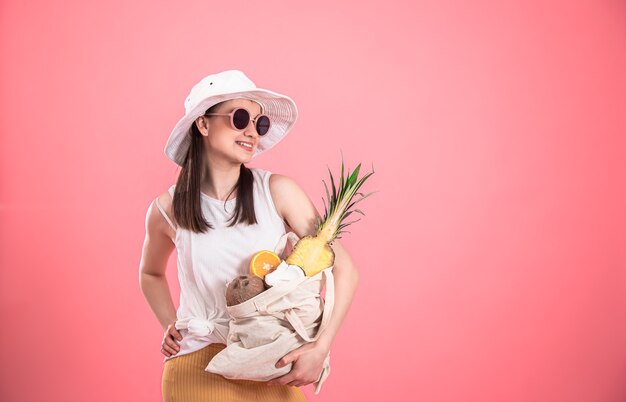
point(241, 118)
point(263, 125)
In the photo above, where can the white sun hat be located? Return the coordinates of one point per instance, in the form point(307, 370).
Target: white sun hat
point(231, 84)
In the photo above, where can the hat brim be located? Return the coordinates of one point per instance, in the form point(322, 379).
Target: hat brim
point(281, 110)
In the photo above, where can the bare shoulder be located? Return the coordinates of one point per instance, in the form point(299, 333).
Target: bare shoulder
point(158, 243)
point(155, 218)
point(165, 200)
point(282, 187)
point(293, 204)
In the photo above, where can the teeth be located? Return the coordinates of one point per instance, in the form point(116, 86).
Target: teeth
point(244, 144)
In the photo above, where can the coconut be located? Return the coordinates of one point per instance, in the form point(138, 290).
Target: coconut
point(242, 288)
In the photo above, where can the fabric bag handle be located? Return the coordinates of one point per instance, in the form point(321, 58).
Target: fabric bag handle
point(260, 303)
point(282, 242)
point(329, 303)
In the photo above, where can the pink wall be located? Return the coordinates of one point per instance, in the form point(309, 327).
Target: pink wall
point(492, 259)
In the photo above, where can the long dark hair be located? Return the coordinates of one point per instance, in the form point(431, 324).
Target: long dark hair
point(186, 204)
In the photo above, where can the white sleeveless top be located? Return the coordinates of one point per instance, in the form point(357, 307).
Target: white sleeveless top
point(208, 261)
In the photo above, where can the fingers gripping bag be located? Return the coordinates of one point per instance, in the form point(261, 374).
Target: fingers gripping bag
point(276, 321)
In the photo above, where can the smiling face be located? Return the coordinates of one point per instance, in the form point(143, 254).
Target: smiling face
point(222, 141)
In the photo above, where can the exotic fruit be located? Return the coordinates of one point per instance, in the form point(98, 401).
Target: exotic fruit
point(242, 288)
point(313, 253)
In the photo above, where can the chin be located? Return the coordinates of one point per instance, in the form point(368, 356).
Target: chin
point(245, 154)
point(243, 159)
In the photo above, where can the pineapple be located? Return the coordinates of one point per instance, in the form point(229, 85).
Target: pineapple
point(313, 253)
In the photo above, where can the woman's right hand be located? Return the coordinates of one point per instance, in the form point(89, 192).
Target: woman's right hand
point(170, 346)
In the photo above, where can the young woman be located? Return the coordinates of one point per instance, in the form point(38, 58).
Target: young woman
point(217, 216)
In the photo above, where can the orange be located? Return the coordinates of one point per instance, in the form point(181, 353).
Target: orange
point(264, 262)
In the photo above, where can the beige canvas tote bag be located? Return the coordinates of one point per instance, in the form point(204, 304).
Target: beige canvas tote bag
point(268, 326)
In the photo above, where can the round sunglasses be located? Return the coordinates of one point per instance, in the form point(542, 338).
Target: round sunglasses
point(240, 118)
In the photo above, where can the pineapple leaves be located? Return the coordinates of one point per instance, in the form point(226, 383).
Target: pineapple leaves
point(343, 225)
point(324, 200)
point(357, 211)
point(355, 174)
point(332, 201)
point(340, 198)
point(360, 199)
point(341, 180)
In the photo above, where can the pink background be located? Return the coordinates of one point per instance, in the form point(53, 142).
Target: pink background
point(492, 259)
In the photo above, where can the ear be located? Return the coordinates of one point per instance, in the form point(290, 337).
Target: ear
point(202, 123)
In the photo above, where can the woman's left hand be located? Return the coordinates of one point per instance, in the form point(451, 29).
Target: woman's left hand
point(307, 360)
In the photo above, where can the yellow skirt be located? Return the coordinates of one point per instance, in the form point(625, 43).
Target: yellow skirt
point(185, 380)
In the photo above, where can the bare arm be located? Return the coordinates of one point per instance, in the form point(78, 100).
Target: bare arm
point(301, 215)
point(157, 247)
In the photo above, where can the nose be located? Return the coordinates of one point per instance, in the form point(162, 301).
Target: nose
point(250, 131)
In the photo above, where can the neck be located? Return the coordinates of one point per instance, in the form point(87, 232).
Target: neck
point(219, 180)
